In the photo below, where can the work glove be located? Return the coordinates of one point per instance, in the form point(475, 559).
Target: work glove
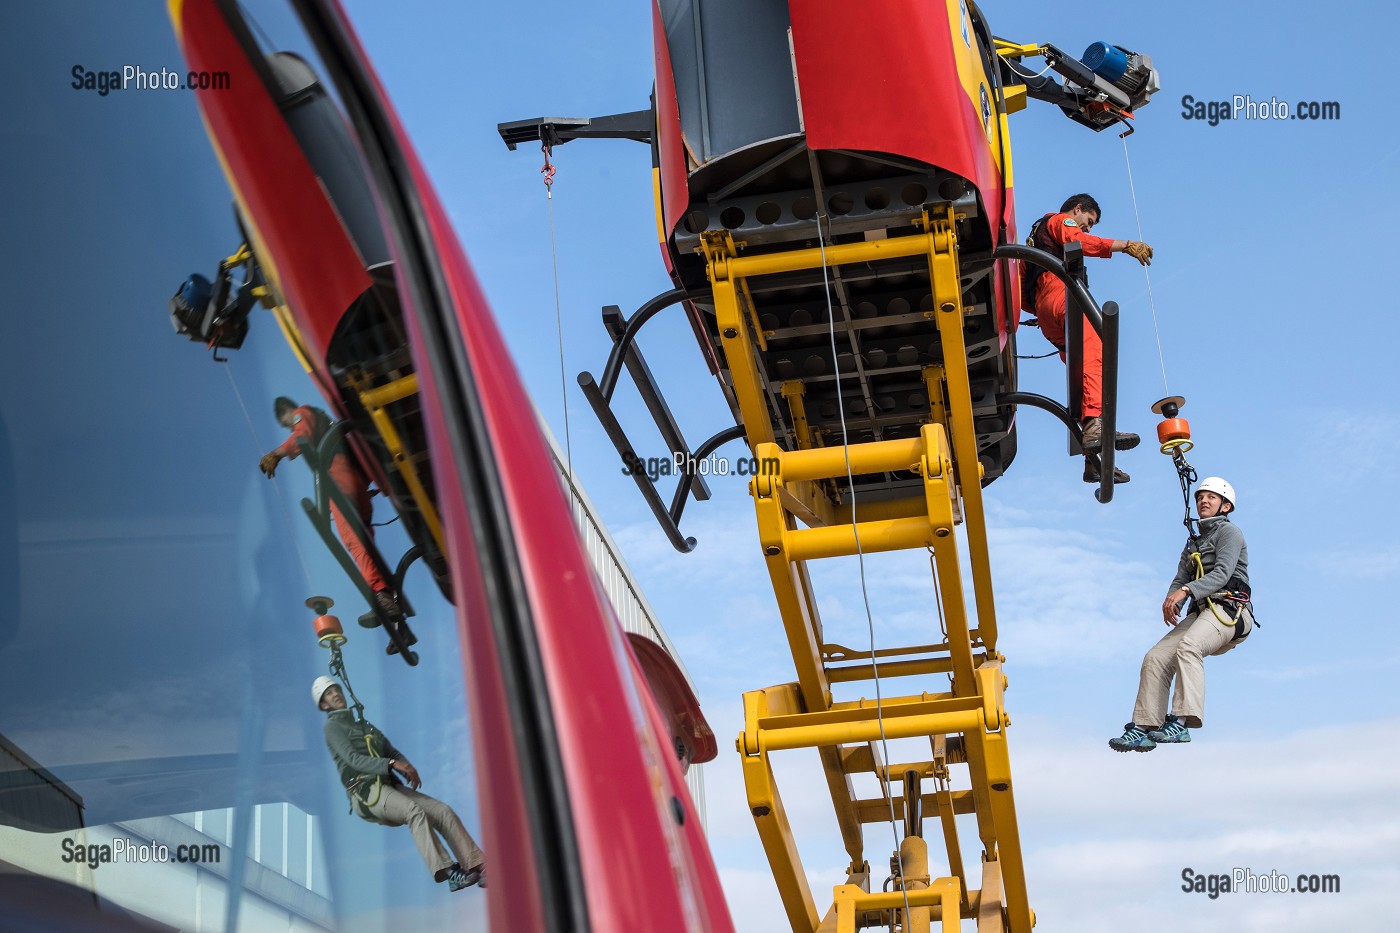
point(268, 464)
point(1139, 251)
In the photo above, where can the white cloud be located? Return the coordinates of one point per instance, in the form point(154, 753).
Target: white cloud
point(1107, 836)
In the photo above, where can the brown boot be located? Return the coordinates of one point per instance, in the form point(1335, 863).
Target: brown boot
point(1092, 439)
point(387, 603)
point(1091, 472)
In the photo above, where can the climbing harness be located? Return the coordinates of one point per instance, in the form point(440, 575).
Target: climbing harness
point(331, 635)
point(1174, 436)
point(1239, 597)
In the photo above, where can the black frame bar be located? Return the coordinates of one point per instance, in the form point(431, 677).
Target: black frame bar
point(325, 491)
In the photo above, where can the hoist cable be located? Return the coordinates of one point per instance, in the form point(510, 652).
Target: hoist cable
point(860, 558)
point(1151, 303)
point(548, 171)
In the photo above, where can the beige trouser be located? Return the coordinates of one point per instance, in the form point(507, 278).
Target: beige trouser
point(423, 814)
point(1181, 654)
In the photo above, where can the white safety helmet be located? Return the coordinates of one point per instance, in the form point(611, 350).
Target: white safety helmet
point(1221, 488)
point(319, 687)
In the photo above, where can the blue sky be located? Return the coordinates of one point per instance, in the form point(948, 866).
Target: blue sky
point(1272, 305)
point(1272, 246)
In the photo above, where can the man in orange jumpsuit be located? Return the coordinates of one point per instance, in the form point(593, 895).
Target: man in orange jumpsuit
point(312, 424)
point(1077, 216)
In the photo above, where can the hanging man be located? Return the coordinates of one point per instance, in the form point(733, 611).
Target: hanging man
point(312, 424)
point(1047, 301)
point(374, 773)
point(1219, 618)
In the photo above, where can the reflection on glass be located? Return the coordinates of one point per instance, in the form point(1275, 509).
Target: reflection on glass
point(155, 645)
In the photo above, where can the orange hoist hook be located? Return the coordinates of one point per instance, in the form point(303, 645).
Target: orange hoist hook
point(547, 169)
point(1174, 436)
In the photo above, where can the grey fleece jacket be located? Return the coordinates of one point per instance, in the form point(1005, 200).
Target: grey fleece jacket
point(1223, 555)
point(355, 758)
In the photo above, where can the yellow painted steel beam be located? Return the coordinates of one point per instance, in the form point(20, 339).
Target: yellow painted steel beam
point(990, 910)
point(856, 711)
point(793, 391)
point(836, 254)
point(809, 503)
point(790, 699)
point(843, 796)
point(1008, 49)
point(390, 392)
point(896, 534)
point(845, 675)
point(877, 809)
point(947, 817)
point(906, 507)
point(835, 653)
point(933, 382)
point(802, 715)
point(941, 897)
point(830, 462)
point(870, 730)
point(947, 302)
point(374, 401)
point(776, 835)
point(736, 341)
point(1008, 836)
point(752, 311)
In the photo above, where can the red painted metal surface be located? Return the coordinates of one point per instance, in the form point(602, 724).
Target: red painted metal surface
point(296, 232)
point(645, 870)
point(295, 228)
point(675, 194)
point(910, 104)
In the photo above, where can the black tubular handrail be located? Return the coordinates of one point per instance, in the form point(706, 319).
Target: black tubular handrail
point(1107, 447)
point(1080, 306)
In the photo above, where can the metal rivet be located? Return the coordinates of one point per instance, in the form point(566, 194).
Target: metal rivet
point(730, 333)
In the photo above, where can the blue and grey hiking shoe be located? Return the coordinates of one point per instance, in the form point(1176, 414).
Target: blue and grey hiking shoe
point(1173, 733)
point(1133, 739)
point(457, 879)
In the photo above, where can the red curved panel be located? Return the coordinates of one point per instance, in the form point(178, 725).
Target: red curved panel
point(675, 196)
point(298, 236)
point(881, 76)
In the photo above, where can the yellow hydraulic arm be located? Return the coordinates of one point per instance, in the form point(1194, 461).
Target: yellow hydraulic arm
point(804, 517)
